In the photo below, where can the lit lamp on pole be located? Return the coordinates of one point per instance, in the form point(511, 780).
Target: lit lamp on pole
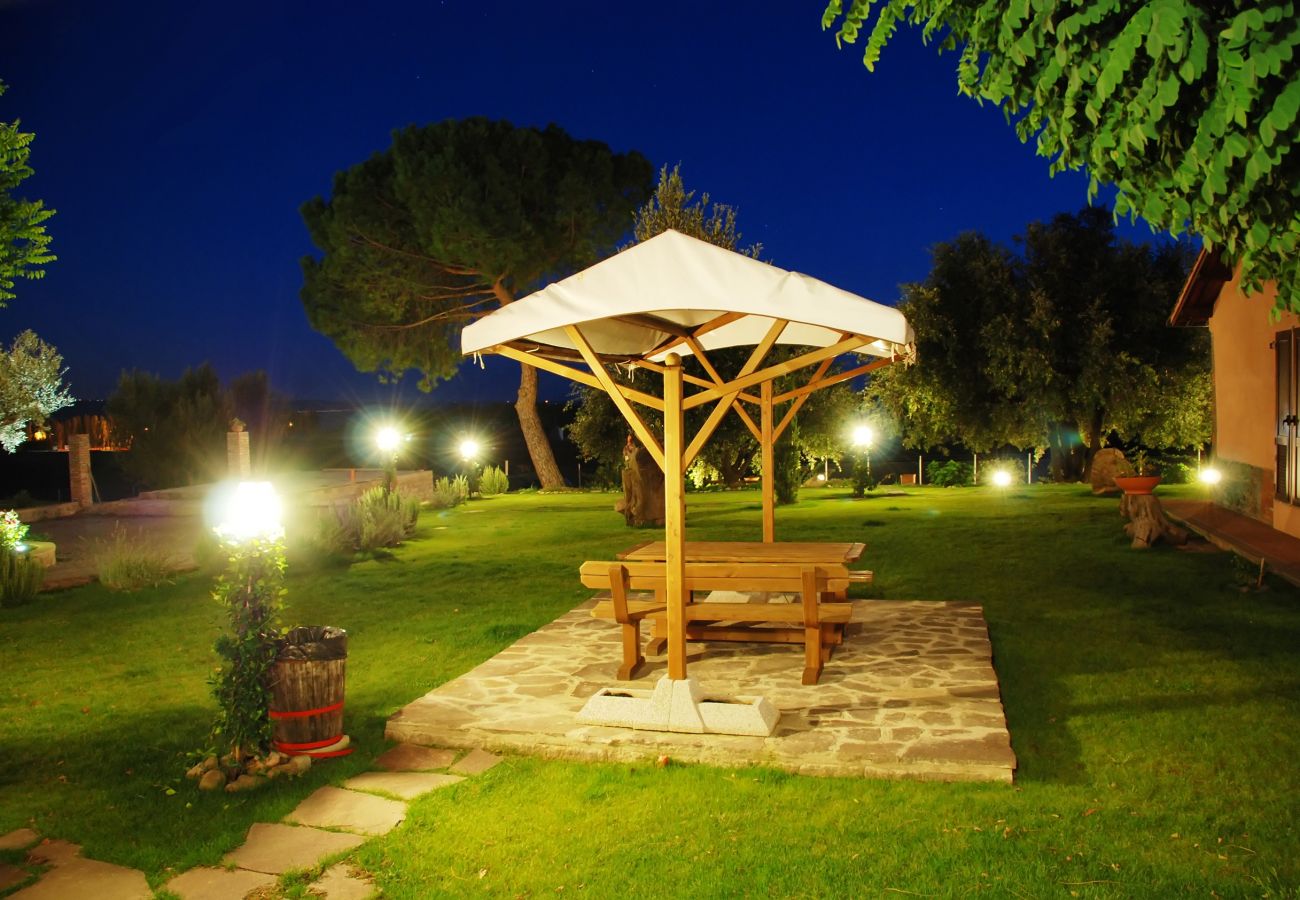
point(863, 436)
point(469, 450)
point(250, 512)
point(388, 439)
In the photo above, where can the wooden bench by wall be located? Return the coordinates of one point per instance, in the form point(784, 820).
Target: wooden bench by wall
point(818, 625)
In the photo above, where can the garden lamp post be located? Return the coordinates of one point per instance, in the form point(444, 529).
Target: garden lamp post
point(388, 439)
point(252, 590)
point(863, 436)
point(469, 449)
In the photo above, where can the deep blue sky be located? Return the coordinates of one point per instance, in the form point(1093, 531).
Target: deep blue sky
point(177, 141)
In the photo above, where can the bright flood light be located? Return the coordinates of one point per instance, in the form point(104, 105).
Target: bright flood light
point(863, 436)
point(1211, 475)
point(252, 510)
point(388, 438)
point(1001, 478)
point(469, 448)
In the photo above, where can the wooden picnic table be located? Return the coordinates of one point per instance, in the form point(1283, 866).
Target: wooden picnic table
point(829, 552)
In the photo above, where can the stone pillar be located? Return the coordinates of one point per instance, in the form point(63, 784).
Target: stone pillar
point(237, 454)
point(79, 469)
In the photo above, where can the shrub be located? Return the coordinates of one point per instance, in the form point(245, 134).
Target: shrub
point(126, 563)
point(12, 529)
point(493, 481)
point(20, 578)
point(863, 480)
point(449, 492)
point(949, 473)
point(385, 518)
point(323, 537)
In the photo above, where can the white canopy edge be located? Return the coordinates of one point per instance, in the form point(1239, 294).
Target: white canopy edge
point(688, 282)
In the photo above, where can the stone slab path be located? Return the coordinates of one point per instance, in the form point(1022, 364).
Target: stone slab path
point(910, 693)
point(329, 822)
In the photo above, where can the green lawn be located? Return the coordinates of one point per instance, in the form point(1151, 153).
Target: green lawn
point(1153, 708)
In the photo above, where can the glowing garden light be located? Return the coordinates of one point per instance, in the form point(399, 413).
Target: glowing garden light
point(388, 439)
point(1001, 478)
point(1210, 475)
point(251, 511)
point(863, 435)
point(469, 449)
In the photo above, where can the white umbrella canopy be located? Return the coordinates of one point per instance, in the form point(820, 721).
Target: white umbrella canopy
point(673, 296)
point(682, 283)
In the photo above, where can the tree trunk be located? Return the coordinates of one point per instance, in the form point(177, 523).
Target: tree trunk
point(1094, 443)
point(539, 448)
point(1068, 455)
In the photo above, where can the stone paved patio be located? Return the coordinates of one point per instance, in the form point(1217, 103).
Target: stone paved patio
point(911, 693)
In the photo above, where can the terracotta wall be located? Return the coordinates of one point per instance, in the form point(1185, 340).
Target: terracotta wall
point(1244, 390)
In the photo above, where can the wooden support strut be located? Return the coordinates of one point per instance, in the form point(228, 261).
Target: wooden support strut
point(674, 519)
point(799, 401)
point(782, 368)
point(727, 401)
point(642, 432)
point(769, 466)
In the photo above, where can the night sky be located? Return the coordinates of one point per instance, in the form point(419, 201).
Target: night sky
point(177, 141)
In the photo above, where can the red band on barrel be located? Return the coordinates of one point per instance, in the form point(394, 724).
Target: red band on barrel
point(309, 745)
point(304, 713)
point(315, 754)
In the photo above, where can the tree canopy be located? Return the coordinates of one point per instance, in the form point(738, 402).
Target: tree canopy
point(452, 221)
point(1190, 109)
point(24, 243)
point(31, 371)
point(31, 387)
point(1054, 344)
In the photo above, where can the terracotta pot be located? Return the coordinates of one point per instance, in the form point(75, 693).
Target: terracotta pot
point(1137, 484)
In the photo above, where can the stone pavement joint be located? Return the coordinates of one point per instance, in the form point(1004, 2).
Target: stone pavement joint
point(414, 758)
point(207, 883)
point(910, 693)
point(407, 785)
point(338, 883)
point(331, 807)
point(475, 762)
point(54, 852)
point(277, 849)
point(11, 875)
point(20, 839)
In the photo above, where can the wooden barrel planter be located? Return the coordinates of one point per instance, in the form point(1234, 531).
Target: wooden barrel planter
point(307, 686)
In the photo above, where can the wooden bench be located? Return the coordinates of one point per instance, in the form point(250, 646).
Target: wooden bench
point(815, 623)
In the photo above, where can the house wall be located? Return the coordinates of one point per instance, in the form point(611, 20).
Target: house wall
point(1245, 402)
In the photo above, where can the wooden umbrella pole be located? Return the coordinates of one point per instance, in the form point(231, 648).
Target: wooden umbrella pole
point(769, 464)
point(674, 517)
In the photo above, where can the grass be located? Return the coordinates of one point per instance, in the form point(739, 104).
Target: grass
point(1152, 706)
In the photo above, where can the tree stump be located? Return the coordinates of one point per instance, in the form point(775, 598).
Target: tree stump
point(643, 488)
point(1148, 522)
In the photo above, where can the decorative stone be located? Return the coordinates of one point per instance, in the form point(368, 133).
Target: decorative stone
point(475, 762)
point(212, 780)
point(276, 849)
point(245, 782)
point(407, 785)
point(1106, 464)
point(331, 807)
point(338, 883)
point(19, 839)
point(298, 764)
point(205, 883)
point(414, 758)
point(88, 878)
